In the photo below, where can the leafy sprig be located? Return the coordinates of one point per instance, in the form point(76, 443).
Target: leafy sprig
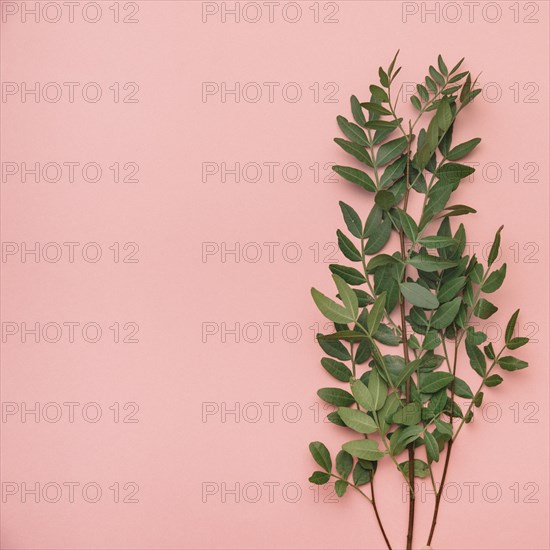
point(406, 401)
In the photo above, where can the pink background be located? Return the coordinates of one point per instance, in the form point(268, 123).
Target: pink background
point(170, 453)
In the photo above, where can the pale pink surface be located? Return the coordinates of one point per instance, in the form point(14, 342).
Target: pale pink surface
point(170, 453)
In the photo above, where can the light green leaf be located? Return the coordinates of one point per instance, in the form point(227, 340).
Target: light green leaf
point(429, 263)
point(358, 420)
point(419, 296)
point(362, 395)
point(409, 415)
point(421, 469)
point(330, 309)
point(435, 381)
point(437, 241)
point(376, 313)
point(363, 448)
point(378, 390)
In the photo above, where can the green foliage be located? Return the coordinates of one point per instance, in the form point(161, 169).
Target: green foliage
point(409, 399)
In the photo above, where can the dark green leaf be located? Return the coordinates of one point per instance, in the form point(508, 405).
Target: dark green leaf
point(435, 381)
point(408, 224)
point(445, 314)
point(336, 396)
point(344, 464)
point(426, 262)
point(376, 313)
point(352, 219)
point(348, 248)
point(361, 476)
point(384, 199)
point(357, 111)
point(495, 248)
point(484, 309)
point(330, 309)
point(340, 487)
point(516, 343)
point(357, 151)
point(493, 380)
point(432, 448)
point(336, 369)
point(333, 348)
point(319, 478)
point(352, 131)
point(511, 363)
point(495, 280)
point(510, 327)
point(349, 274)
point(356, 176)
point(409, 415)
point(388, 151)
point(460, 151)
point(379, 236)
point(321, 455)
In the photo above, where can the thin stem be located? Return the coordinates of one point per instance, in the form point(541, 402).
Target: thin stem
point(449, 449)
point(373, 499)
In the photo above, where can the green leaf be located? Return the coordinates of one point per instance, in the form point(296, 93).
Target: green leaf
point(437, 241)
point(409, 415)
point(495, 248)
point(376, 313)
point(378, 390)
point(477, 359)
point(362, 395)
point(344, 464)
point(380, 260)
point(451, 173)
point(336, 369)
point(330, 309)
point(379, 236)
point(346, 335)
point(357, 151)
point(449, 289)
point(348, 248)
point(319, 478)
point(510, 327)
point(321, 455)
point(493, 380)
point(495, 280)
point(510, 363)
point(334, 417)
point(444, 428)
point(442, 66)
point(352, 131)
point(348, 297)
point(428, 263)
point(374, 219)
point(463, 149)
point(419, 296)
point(435, 381)
point(410, 434)
point(484, 309)
point(352, 219)
point(516, 343)
point(384, 199)
point(432, 448)
point(416, 103)
point(421, 469)
point(349, 274)
point(361, 475)
point(336, 396)
point(363, 448)
point(385, 414)
point(375, 108)
point(462, 389)
point(333, 348)
point(458, 210)
point(357, 111)
point(407, 372)
point(445, 314)
point(408, 224)
point(340, 487)
point(393, 172)
point(358, 420)
point(356, 176)
point(389, 150)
